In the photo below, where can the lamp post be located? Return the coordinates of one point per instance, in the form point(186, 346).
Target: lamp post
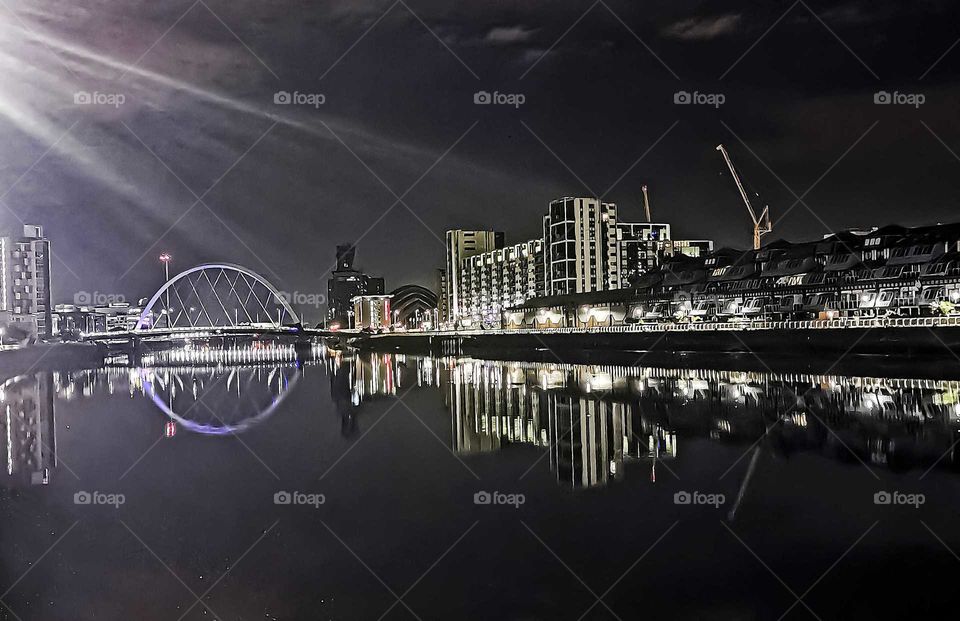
point(165, 258)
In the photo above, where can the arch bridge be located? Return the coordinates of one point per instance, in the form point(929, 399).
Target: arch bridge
point(213, 299)
point(217, 295)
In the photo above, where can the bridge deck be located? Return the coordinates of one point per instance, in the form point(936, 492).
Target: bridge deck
point(203, 332)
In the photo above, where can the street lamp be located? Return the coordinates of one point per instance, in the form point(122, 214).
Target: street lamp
point(165, 258)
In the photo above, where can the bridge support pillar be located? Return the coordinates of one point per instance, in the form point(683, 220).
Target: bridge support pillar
point(135, 352)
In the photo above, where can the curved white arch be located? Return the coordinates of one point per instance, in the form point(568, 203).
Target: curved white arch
point(146, 376)
point(216, 266)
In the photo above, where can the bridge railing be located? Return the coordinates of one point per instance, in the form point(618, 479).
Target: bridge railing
point(188, 332)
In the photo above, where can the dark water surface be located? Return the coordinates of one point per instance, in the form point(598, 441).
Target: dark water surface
point(615, 492)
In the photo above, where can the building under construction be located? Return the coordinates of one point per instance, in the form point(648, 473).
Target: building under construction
point(888, 272)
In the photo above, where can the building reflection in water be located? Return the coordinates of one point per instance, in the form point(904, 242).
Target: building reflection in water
point(592, 420)
point(569, 411)
point(28, 429)
point(355, 379)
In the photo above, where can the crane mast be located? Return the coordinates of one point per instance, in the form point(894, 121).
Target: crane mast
point(646, 204)
point(761, 225)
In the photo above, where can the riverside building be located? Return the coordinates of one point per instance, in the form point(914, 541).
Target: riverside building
point(462, 245)
point(585, 249)
point(492, 281)
point(889, 273)
point(580, 237)
point(25, 281)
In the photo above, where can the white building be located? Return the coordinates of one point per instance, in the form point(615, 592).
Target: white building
point(371, 311)
point(585, 248)
point(501, 278)
point(122, 316)
point(461, 245)
point(580, 246)
point(25, 281)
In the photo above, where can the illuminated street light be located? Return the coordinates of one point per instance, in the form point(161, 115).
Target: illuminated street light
point(165, 258)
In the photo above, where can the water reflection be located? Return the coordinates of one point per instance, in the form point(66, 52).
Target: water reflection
point(219, 400)
point(357, 378)
point(207, 390)
point(28, 429)
point(212, 400)
point(593, 420)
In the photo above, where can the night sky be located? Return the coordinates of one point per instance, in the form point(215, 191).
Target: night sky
point(398, 151)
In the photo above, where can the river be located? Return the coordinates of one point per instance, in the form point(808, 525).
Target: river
point(352, 486)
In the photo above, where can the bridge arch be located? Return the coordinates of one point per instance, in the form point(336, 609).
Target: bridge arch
point(209, 293)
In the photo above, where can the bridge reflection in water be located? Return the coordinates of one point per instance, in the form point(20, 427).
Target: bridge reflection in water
point(212, 391)
point(594, 420)
point(219, 400)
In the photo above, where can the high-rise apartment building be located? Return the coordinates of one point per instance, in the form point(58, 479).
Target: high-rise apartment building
point(580, 246)
point(584, 248)
point(25, 281)
point(462, 245)
point(495, 280)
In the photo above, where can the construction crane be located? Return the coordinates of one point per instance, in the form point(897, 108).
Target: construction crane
point(646, 203)
point(761, 225)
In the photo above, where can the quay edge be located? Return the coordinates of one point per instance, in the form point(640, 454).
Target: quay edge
point(50, 356)
point(907, 346)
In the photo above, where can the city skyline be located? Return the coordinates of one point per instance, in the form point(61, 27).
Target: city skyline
point(651, 248)
point(291, 176)
point(356, 309)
